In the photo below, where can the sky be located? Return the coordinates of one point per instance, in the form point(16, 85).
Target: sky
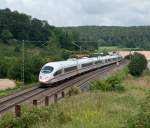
point(84, 12)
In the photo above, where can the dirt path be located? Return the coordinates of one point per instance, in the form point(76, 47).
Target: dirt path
point(6, 83)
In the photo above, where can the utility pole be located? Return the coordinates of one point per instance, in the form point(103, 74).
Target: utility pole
point(79, 46)
point(23, 62)
point(23, 58)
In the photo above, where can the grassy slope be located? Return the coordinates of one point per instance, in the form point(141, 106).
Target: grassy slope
point(88, 110)
point(102, 109)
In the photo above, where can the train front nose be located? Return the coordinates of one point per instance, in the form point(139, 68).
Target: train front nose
point(45, 78)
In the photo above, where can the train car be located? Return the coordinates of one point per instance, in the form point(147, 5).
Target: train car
point(57, 71)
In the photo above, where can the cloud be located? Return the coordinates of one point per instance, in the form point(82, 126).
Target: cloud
point(84, 12)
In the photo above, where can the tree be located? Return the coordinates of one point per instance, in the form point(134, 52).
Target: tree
point(3, 68)
point(65, 40)
point(102, 42)
point(6, 35)
point(15, 70)
point(23, 27)
point(137, 64)
point(32, 68)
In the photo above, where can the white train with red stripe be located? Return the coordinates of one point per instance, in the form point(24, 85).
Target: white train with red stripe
point(57, 71)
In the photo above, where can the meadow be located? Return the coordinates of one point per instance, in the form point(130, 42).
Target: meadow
point(91, 109)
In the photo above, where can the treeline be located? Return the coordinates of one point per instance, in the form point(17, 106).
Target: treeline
point(19, 26)
point(128, 37)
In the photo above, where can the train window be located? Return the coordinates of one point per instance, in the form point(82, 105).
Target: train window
point(98, 62)
point(70, 69)
point(114, 59)
point(58, 72)
point(87, 64)
point(47, 69)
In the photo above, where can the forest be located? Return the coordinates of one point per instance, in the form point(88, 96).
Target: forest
point(18, 26)
point(123, 37)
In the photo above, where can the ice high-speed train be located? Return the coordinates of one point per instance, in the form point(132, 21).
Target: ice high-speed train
point(57, 71)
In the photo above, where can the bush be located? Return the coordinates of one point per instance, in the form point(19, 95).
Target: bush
point(137, 65)
point(112, 83)
point(15, 70)
point(75, 90)
point(101, 85)
point(3, 68)
point(96, 85)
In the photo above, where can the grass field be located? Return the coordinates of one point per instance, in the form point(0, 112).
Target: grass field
point(94, 109)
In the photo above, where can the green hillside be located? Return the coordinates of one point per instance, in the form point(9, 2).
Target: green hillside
point(130, 37)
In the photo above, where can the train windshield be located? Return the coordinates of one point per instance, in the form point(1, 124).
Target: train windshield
point(47, 69)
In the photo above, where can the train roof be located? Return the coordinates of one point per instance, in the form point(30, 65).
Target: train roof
point(68, 63)
point(74, 62)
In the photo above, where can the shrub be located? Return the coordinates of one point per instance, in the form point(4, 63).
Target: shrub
point(115, 82)
point(100, 85)
point(3, 68)
point(112, 83)
point(15, 70)
point(137, 65)
point(74, 90)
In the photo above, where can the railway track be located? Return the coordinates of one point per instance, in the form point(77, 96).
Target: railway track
point(39, 93)
point(10, 102)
